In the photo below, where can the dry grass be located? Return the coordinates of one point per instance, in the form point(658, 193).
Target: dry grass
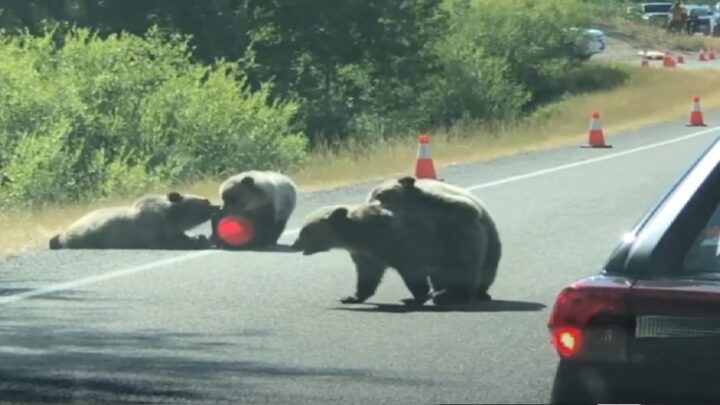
point(651, 95)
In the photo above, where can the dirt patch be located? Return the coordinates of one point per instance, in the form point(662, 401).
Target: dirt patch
point(620, 47)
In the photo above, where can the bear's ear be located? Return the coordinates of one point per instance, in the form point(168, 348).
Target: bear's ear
point(407, 181)
point(340, 214)
point(174, 197)
point(247, 181)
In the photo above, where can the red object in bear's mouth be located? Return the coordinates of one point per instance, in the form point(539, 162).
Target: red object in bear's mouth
point(235, 231)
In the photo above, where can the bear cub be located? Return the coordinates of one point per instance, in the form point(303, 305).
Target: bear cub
point(152, 222)
point(266, 198)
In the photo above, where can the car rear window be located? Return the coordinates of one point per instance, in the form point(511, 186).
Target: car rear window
point(699, 12)
point(657, 8)
point(704, 255)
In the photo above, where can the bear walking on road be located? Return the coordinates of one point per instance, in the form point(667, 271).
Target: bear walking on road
point(376, 238)
point(468, 233)
point(267, 198)
point(152, 222)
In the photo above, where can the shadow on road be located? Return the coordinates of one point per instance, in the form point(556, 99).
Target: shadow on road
point(278, 249)
point(46, 361)
point(485, 306)
point(273, 249)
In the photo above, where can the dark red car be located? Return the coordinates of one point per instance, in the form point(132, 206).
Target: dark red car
point(646, 328)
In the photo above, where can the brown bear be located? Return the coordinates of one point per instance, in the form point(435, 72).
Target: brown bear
point(152, 222)
point(267, 198)
point(377, 238)
point(467, 230)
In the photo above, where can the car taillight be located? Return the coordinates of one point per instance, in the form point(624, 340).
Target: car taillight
point(589, 319)
point(566, 340)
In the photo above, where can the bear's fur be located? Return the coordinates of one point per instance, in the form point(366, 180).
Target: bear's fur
point(461, 215)
point(267, 198)
point(377, 238)
point(152, 222)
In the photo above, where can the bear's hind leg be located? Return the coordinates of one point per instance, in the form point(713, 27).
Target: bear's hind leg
point(438, 281)
point(369, 275)
point(417, 283)
point(453, 285)
point(463, 269)
point(450, 287)
point(482, 294)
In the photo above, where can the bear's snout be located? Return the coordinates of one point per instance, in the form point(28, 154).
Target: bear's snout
point(307, 250)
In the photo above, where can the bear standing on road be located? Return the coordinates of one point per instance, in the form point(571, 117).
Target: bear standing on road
point(152, 222)
point(468, 233)
point(267, 198)
point(376, 238)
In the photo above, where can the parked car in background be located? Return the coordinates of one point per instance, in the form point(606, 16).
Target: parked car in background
point(591, 41)
point(701, 18)
point(653, 13)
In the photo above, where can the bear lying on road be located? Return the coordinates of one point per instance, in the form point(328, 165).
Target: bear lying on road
point(469, 235)
point(266, 198)
point(152, 222)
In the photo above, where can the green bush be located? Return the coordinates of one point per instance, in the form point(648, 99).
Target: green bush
point(614, 8)
point(536, 40)
point(95, 117)
point(497, 60)
point(85, 116)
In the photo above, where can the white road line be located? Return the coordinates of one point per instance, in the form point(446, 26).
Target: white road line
point(592, 160)
point(291, 232)
point(101, 277)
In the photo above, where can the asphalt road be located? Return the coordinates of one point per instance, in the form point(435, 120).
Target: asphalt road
point(267, 328)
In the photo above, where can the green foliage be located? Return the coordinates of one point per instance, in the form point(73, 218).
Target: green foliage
point(345, 59)
point(498, 60)
point(535, 39)
point(87, 113)
point(96, 117)
point(612, 8)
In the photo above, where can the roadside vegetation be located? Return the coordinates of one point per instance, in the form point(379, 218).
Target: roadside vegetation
point(124, 101)
point(100, 106)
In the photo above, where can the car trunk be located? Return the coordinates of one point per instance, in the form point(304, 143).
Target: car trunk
point(675, 347)
point(675, 320)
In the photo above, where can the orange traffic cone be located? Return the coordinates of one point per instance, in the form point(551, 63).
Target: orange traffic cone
point(696, 115)
point(596, 138)
point(424, 167)
point(701, 56)
point(668, 61)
